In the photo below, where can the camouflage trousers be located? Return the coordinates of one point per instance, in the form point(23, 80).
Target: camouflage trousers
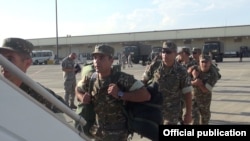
point(171, 114)
point(69, 87)
point(201, 108)
point(183, 106)
point(119, 135)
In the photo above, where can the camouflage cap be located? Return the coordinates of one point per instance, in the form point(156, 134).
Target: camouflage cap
point(195, 49)
point(169, 45)
point(204, 57)
point(18, 45)
point(184, 49)
point(104, 49)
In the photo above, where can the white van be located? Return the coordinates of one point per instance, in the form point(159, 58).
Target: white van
point(42, 56)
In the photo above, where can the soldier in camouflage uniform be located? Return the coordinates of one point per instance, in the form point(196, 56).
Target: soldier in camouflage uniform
point(18, 51)
point(196, 52)
point(185, 60)
point(173, 82)
point(204, 78)
point(110, 90)
point(68, 68)
point(124, 60)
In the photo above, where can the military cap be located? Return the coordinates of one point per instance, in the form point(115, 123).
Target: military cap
point(195, 49)
point(169, 45)
point(204, 57)
point(104, 49)
point(18, 45)
point(184, 49)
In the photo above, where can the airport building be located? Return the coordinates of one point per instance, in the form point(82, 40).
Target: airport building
point(233, 38)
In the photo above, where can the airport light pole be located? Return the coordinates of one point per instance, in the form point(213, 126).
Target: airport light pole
point(57, 54)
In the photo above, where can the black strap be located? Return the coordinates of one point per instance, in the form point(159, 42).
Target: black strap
point(91, 81)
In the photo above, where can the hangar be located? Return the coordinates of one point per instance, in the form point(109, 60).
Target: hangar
point(233, 38)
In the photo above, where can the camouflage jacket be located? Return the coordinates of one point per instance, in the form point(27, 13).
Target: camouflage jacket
point(107, 108)
point(67, 63)
point(190, 63)
point(41, 99)
point(172, 81)
point(209, 78)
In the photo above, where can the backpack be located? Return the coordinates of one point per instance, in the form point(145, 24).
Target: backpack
point(142, 117)
point(216, 69)
point(86, 110)
point(77, 68)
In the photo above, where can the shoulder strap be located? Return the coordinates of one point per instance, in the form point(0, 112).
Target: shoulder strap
point(92, 80)
point(93, 77)
point(157, 65)
point(115, 76)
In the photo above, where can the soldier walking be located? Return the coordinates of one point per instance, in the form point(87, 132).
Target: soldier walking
point(204, 78)
point(173, 82)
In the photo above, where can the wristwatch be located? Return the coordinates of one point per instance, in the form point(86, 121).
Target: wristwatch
point(120, 94)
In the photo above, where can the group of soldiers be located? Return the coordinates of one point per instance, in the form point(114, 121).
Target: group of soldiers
point(185, 83)
point(202, 67)
point(123, 60)
point(185, 79)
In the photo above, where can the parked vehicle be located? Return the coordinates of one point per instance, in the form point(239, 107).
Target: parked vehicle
point(42, 56)
point(245, 51)
point(215, 48)
point(155, 51)
point(140, 52)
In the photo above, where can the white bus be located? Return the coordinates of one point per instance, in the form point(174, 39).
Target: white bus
point(42, 56)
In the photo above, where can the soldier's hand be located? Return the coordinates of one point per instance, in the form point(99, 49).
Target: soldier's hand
point(187, 119)
point(189, 70)
point(195, 73)
point(86, 98)
point(113, 90)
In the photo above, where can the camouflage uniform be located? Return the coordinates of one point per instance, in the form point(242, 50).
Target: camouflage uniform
point(130, 60)
point(195, 112)
point(110, 119)
point(24, 48)
point(124, 60)
point(41, 99)
point(202, 101)
point(190, 63)
point(69, 81)
point(195, 109)
point(173, 82)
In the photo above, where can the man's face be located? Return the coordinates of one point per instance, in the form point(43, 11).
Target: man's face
point(168, 56)
point(73, 56)
point(181, 56)
point(205, 65)
point(196, 55)
point(102, 63)
point(21, 62)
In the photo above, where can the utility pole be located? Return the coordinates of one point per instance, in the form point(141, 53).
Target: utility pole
point(68, 42)
point(57, 54)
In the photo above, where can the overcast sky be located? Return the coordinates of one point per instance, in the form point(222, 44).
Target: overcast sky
point(37, 18)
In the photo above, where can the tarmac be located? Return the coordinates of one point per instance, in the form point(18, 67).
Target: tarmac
point(230, 100)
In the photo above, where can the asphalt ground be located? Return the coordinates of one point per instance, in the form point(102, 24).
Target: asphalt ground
point(231, 95)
